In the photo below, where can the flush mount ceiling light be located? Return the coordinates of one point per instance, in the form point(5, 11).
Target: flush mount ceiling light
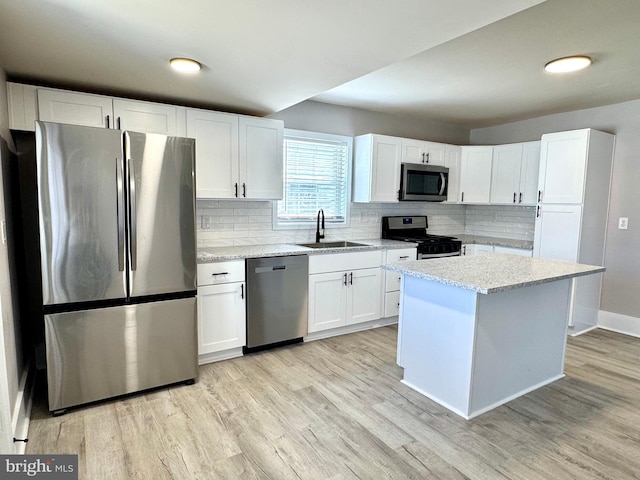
point(567, 64)
point(184, 65)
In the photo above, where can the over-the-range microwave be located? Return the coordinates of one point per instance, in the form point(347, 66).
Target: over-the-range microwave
point(426, 183)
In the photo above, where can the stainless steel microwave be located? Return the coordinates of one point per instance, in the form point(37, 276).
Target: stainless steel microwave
point(426, 183)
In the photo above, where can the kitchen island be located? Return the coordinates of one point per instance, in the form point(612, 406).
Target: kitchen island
point(475, 332)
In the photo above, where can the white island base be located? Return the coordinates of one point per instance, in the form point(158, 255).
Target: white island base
point(472, 352)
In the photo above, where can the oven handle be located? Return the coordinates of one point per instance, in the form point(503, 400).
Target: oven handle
point(438, 255)
point(443, 184)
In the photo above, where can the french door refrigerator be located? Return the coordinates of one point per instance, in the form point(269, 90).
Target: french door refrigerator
point(117, 243)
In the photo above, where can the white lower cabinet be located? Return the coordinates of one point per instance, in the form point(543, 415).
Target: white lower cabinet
point(221, 308)
point(344, 289)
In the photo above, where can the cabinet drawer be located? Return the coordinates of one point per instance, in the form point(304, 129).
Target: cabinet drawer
point(220, 272)
point(398, 255)
point(391, 304)
point(337, 262)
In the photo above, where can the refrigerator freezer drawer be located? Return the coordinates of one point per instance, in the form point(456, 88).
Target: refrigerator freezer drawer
point(103, 353)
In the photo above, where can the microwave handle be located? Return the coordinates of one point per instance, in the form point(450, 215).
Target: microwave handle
point(443, 183)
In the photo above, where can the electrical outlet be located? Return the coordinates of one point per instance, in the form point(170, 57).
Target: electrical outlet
point(623, 223)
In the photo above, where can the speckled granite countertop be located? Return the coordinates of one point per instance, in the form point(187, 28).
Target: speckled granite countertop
point(216, 254)
point(492, 273)
point(495, 241)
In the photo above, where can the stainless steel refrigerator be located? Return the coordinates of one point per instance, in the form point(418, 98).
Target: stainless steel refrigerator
point(117, 243)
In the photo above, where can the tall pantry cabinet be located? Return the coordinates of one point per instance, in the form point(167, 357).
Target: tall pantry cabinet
point(571, 216)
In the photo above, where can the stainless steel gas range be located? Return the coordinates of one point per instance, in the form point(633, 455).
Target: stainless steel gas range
point(414, 229)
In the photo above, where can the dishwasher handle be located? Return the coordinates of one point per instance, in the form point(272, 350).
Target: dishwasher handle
point(270, 269)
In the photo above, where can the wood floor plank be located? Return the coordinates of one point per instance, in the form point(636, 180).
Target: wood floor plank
point(336, 409)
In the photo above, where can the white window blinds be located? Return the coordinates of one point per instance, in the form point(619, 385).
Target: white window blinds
point(316, 176)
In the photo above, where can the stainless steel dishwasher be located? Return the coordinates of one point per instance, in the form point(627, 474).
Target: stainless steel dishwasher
point(277, 290)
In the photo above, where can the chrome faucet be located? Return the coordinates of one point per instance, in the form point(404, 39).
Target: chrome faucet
point(318, 236)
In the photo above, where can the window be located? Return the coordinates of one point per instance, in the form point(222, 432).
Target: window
point(316, 176)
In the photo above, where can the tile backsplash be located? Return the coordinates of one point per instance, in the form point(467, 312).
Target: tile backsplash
point(245, 222)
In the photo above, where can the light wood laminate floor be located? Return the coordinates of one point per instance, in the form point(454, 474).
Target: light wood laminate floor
point(335, 409)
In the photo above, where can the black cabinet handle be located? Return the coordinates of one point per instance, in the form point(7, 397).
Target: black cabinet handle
point(242, 291)
point(462, 199)
point(520, 201)
point(236, 187)
point(538, 211)
point(514, 197)
point(539, 195)
point(107, 121)
point(351, 278)
point(221, 273)
point(404, 256)
point(427, 157)
point(244, 189)
point(118, 123)
point(345, 279)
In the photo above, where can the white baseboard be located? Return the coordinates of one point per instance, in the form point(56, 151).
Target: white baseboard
point(616, 322)
point(22, 409)
point(358, 327)
point(219, 356)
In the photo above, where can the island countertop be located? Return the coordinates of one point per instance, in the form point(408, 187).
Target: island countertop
point(492, 273)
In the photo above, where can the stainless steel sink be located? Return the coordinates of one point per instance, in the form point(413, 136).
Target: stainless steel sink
point(332, 245)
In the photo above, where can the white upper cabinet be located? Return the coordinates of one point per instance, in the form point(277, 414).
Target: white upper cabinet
point(260, 157)
point(452, 162)
point(216, 137)
point(428, 153)
point(529, 172)
point(149, 117)
point(376, 173)
point(475, 176)
point(563, 166)
point(505, 175)
point(514, 178)
point(89, 110)
point(61, 106)
point(236, 156)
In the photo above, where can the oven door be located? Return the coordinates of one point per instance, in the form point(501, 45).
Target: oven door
point(424, 183)
point(422, 256)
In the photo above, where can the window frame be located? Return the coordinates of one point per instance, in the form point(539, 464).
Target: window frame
point(311, 222)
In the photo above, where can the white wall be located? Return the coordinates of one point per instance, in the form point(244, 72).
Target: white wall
point(10, 364)
point(622, 258)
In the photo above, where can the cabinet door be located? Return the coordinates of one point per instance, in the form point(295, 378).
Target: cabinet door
point(260, 158)
point(414, 151)
point(505, 173)
point(75, 108)
point(563, 164)
point(453, 164)
point(529, 172)
point(475, 177)
point(385, 172)
point(327, 301)
point(557, 232)
point(216, 137)
point(146, 117)
point(364, 300)
point(221, 317)
point(436, 153)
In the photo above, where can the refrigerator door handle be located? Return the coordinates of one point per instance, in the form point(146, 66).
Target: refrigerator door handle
point(133, 242)
point(120, 212)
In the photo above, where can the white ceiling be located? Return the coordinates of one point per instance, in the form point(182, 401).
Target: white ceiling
point(467, 62)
